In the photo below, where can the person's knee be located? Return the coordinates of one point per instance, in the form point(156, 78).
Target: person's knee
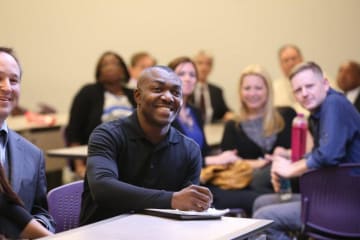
point(263, 213)
point(264, 200)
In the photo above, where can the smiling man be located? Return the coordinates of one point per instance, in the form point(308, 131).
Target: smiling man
point(141, 161)
point(335, 126)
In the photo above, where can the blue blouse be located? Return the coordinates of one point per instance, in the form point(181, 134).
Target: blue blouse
point(194, 131)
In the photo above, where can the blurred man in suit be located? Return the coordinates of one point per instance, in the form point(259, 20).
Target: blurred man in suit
point(207, 96)
point(139, 61)
point(289, 56)
point(348, 79)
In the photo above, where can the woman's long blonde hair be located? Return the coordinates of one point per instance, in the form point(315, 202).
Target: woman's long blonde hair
point(273, 121)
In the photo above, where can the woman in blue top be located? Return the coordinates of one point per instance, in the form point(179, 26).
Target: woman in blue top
point(189, 120)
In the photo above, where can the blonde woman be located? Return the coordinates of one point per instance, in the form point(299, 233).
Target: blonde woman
point(257, 130)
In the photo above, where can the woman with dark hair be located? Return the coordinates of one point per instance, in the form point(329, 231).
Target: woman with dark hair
point(105, 100)
point(13, 212)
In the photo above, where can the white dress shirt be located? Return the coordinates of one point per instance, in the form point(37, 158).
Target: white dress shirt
point(197, 96)
point(352, 94)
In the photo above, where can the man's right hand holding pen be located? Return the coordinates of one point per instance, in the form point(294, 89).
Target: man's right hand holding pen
point(192, 197)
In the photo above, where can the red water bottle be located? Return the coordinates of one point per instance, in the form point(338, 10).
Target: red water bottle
point(298, 137)
point(298, 147)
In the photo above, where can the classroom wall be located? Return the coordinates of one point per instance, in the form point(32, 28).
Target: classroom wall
point(59, 42)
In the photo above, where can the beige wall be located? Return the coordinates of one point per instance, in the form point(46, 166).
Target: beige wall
point(59, 42)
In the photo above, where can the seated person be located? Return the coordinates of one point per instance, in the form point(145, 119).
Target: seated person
point(103, 101)
point(289, 55)
point(330, 111)
point(141, 161)
point(348, 80)
point(189, 120)
point(139, 61)
point(259, 129)
point(207, 96)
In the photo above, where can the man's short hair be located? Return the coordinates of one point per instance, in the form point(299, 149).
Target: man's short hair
point(152, 72)
point(11, 52)
point(315, 68)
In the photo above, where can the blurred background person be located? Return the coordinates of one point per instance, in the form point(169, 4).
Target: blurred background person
point(348, 80)
point(189, 120)
point(207, 96)
point(138, 62)
point(105, 100)
point(257, 130)
point(289, 56)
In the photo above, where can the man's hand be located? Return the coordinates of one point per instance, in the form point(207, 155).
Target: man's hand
point(275, 181)
point(192, 197)
point(280, 168)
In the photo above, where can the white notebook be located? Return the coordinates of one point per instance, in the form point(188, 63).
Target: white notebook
point(211, 213)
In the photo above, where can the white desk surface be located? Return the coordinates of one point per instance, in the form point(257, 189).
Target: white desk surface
point(20, 123)
point(138, 226)
point(69, 152)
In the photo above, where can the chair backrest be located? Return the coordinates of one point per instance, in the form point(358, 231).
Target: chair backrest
point(331, 202)
point(64, 205)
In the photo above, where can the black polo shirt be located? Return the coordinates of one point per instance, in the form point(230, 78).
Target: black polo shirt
point(126, 172)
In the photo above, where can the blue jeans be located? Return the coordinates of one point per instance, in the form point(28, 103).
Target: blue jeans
point(286, 215)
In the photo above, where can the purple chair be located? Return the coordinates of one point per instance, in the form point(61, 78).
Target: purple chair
point(64, 205)
point(331, 202)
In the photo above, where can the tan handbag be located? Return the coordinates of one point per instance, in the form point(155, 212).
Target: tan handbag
point(233, 176)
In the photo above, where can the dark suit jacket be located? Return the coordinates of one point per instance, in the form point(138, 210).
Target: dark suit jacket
point(28, 180)
point(217, 102)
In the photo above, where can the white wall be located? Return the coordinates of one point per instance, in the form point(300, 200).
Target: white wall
point(59, 42)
